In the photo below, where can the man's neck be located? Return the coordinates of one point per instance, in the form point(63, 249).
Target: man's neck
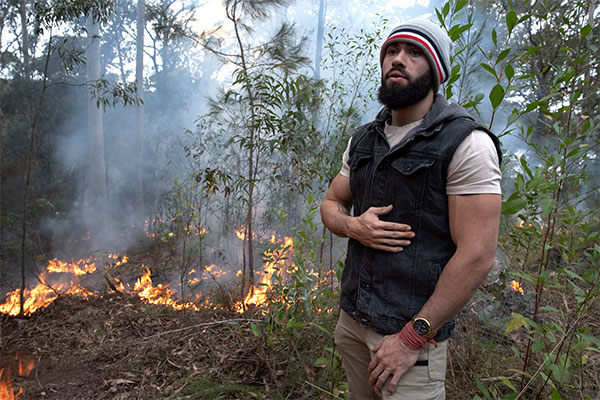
point(413, 113)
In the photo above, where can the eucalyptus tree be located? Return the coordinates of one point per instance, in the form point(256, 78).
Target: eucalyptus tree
point(172, 84)
point(25, 38)
point(139, 114)
point(319, 41)
point(262, 114)
point(97, 194)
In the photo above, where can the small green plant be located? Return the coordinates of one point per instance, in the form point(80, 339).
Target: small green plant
point(301, 310)
point(549, 229)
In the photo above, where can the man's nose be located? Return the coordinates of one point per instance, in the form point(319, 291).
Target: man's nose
point(398, 58)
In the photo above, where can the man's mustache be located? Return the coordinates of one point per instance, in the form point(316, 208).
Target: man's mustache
point(399, 69)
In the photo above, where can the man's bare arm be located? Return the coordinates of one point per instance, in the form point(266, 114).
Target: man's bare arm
point(366, 228)
point(474, 221)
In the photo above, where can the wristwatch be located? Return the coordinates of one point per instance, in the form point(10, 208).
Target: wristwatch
point(423, 327)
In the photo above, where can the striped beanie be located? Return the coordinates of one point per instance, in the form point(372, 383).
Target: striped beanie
point(430, 38)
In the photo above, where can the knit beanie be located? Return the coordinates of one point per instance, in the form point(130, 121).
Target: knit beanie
point(431, 39)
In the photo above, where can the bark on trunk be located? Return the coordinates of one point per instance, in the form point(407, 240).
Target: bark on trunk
point(139, 116)
point(319, 47)
point(97, 194)
point(25, 38)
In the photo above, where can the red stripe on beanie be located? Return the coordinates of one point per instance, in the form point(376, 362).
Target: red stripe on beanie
point(424, 44)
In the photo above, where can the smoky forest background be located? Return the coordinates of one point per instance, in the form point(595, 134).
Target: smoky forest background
point(162, 164)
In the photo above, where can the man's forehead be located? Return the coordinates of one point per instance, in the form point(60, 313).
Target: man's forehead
point(400, 43)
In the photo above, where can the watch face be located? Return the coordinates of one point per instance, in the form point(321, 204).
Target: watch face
point(421, 326)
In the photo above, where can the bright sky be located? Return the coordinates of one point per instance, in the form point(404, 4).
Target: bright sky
point(351, 14)
point(212, 13)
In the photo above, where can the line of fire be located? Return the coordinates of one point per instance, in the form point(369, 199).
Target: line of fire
point(94, 277)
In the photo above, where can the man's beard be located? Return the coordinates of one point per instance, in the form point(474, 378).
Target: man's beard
point(396, 95)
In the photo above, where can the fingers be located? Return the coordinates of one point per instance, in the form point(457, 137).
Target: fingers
point(391, 360)
point(389, 244)
point(377, 345)
point(381, 210)
point(380, 235)
point(393, 383)
point(400, 229)
point(379, 375)
point(380, 380)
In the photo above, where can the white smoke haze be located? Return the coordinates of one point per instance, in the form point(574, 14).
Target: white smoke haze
point(174, 99)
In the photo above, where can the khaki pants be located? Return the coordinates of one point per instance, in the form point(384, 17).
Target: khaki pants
point(424, 381)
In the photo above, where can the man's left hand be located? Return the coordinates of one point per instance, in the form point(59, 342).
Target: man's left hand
point(392, 357)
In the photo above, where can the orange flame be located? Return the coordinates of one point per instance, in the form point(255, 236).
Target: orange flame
point(278, 259)
point(39, 297)
point(159, 295)
point(241, 233)
point(516, 286)
point(25, 364)
point(42, 295)
point(120, 262)
point(214, 271)
point(6, 389)
point(81, 267)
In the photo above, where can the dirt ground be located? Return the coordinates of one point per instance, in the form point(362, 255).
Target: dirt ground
point(116, 347)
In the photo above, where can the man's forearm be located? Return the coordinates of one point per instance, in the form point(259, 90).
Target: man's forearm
point(474, 221)
point(336, 217)
point(367, 228)
point(460, 279)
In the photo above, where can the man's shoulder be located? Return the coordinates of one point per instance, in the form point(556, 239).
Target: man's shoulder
point(363, 130)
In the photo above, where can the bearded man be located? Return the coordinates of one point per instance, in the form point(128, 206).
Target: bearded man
point(423, 182)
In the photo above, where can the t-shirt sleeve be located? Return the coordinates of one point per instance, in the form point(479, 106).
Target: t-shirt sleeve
point(345, 171)
point(475, 168)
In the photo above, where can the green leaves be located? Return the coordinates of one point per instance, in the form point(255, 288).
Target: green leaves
point(58, 12)
point(516, 322)
point(513, 206)
point(496, 95)
point(511, 20)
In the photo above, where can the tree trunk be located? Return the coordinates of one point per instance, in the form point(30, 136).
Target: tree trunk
point(96, 188)
point(25, 38)
point(251, 147)
point(27, 188)
point(139, 116)
point(320, 29)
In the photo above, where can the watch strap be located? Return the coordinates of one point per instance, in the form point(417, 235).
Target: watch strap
point(411, 339)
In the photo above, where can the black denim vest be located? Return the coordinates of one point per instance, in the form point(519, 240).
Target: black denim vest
point(384, 290)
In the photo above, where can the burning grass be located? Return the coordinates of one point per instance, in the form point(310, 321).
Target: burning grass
point(134, 339)
point(118, 347)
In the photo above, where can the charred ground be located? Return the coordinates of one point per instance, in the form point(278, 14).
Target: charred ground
point(117, 347)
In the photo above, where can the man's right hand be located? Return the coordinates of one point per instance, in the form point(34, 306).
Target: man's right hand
point(377, 234)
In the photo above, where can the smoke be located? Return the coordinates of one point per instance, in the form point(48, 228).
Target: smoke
point(179, 79)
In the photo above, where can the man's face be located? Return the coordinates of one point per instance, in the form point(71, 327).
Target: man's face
point(405, 76)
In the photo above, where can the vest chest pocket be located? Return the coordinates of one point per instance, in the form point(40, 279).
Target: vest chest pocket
point(411, 166)
point(406, 185)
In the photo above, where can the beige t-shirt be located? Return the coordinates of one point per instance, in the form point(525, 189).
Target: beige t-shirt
point(474, 168)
